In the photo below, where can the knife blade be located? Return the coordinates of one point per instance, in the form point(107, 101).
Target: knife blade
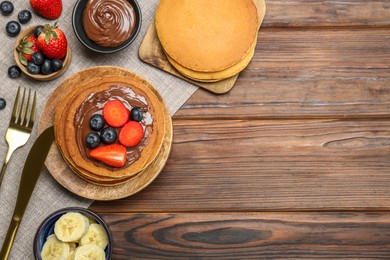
point(31, 171)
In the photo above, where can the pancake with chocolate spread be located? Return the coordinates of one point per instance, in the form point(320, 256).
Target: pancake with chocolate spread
point(71, 127)
point(98, 180)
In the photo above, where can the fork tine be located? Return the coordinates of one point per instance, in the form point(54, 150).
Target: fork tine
point(19, 120)
point(26, 116)
point(33, 112)
point(15, 110)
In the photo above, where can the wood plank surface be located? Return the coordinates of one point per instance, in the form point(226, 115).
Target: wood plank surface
point(322, 13)
point(250, 235)
point(304, 73)
point(238, 165)
point(292, 163)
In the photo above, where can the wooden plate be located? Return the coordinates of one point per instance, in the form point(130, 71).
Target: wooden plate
point(40, 77)
point(66, 177)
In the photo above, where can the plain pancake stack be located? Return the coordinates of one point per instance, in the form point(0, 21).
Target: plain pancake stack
point(207, 40)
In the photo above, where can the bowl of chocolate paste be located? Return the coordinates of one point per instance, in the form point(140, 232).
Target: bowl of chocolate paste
point(106, 26)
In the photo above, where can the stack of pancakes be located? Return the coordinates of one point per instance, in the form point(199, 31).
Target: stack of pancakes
point(207, 40)
point(66, 131)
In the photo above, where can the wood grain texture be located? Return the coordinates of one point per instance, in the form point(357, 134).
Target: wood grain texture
point(307, 13)
point(250, 235)
point(303, 137)
point(254, 165)
point(305, 73)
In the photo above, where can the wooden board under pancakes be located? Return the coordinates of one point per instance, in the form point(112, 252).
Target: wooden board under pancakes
point(71, 181)
point(152, 53)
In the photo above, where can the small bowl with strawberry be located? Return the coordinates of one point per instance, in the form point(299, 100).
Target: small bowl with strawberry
point(42, 52)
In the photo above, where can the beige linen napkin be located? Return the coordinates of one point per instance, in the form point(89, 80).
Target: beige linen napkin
point(49, 196)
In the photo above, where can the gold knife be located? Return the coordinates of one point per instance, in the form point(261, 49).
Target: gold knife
point(31, 170)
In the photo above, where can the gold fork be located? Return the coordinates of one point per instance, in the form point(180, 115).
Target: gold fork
point(20, 126)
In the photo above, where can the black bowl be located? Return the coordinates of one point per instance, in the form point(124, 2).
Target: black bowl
point(78, 28)
point(47, 228)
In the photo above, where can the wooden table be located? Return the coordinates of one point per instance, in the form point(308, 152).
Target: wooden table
point(294, 162)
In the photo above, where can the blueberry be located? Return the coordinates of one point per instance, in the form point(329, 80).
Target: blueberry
point(12, 28)
point(38, 30)
point(57, 64)
point(14, 72)
point(97, 122)
point(33, 68)
point(47, 67)
point(2, 103)
point(38, 58)
point(108, 135)
point(24, 16)
point(6, 7)
point(136, 114)
point(93, 140)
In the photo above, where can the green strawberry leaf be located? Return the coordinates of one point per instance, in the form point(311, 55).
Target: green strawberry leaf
point(47, 38)
point(28, 44)
point(22, 59)
point(27, 51)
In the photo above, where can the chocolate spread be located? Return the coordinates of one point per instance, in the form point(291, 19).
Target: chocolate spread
point(94, 104)
point(109, 23)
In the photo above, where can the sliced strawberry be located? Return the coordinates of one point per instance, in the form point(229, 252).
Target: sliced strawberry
point(115, 113)
point(113, 155)
point(131, 133)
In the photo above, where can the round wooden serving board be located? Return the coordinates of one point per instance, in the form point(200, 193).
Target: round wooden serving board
point(66, 177)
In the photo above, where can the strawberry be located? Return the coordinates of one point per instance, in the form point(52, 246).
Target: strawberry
point(50, 9)
point(27, 46)
point(115, 113)
point(113, 155)
point(131, 133)
point(52, 42)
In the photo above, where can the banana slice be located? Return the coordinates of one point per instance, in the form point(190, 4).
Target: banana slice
point(71, 226)
point(54, 249)
point(72, 250)
point(96, 235)
point(71, 255)
point(51, 236)
point(91, 252)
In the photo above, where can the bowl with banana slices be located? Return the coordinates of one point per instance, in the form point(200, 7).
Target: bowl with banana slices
point(73, 233)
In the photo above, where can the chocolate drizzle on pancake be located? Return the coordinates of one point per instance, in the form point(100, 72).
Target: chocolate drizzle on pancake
point(94, 104)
